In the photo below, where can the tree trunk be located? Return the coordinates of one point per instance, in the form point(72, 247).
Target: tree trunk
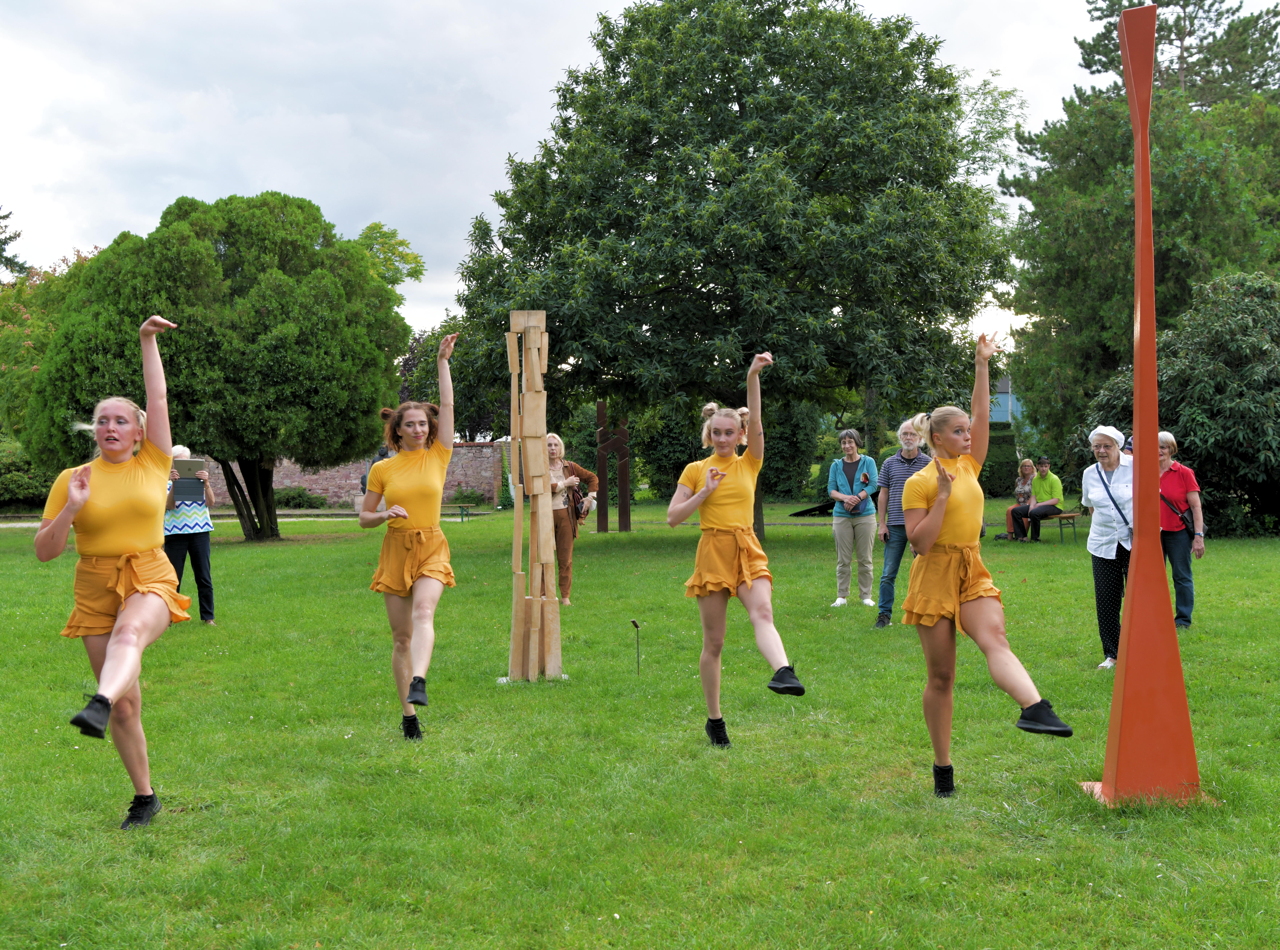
point(255, 499)
point(759, 513)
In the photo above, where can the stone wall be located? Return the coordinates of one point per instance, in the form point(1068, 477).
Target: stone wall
point(475, 465)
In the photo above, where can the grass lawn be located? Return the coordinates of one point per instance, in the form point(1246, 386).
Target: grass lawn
point(592, 812)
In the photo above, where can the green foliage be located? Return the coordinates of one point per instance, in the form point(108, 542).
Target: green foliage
point(27, 305)
point(1001, 466)
point(505, 498)
point(482, 408)
point(1203, 48)
point(468, 496)
point(394, 261)
point(8, 261)
point(285, 348)
point(791, 431)
point(21, 481)
point(296, 497)
point(1213, 173)
point(668, 436)
point(1219, 379)
point(746, 175)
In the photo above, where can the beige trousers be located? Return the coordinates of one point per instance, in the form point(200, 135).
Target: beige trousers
point(854, 534)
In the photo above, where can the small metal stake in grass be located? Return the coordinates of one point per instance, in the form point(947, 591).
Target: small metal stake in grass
point(637, 626)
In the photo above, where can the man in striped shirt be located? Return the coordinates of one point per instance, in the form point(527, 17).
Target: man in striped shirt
point(890, 525)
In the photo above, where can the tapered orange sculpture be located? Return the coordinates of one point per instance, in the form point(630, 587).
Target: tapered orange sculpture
point(1150, 750)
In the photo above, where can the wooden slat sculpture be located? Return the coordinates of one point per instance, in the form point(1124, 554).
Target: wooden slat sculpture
point(535, 611)
point(1150, 750)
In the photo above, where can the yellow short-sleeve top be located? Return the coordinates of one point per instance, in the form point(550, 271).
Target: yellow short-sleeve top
point(125, 510)
point(732, 504)
point(415, 482)
point(962, 523)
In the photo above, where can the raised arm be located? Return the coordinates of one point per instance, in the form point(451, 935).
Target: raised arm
point(153, 379)
point(445, 420)
point(755, 425)
point(980, 408)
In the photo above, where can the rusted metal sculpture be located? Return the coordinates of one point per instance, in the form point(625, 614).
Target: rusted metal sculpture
point(535, 611)
point(1150, 749)
point(612, 440)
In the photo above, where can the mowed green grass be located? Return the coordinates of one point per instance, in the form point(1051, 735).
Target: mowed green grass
point(592, 812)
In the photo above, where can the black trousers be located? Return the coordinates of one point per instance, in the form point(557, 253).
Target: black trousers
point(177, 547)
point(1034, 513)
point(1109, 577)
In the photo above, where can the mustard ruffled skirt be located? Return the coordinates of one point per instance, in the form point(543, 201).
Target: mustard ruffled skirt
point(103, 584)
point(410, 553)
point(725, 561)
point(948, 576)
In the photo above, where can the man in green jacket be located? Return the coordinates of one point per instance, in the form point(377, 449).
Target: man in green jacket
point(1046, 501)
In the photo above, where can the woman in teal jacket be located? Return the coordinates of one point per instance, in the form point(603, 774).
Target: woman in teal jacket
point(851, 483)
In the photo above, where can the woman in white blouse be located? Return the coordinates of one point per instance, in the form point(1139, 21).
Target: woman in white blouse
point(1107, 488)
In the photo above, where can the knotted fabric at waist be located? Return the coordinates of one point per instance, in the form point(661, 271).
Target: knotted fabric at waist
point(745, 538)
point(125, 574)
point(411, 536)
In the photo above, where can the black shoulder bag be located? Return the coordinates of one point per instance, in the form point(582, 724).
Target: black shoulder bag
point(1184, 516)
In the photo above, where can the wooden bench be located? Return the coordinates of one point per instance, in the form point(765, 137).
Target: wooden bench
point(1066, 518)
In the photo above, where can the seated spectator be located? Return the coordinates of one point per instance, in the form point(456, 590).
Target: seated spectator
point(1046, 501)
point(1021, 496)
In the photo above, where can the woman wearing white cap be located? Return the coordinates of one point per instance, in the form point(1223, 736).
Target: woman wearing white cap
point(1107, 488)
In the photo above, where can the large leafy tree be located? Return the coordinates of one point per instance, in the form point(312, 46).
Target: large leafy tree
point(742, 175)
point(1074, 239)
point(286, 345)
point(1215, 170)
point(1219, 379)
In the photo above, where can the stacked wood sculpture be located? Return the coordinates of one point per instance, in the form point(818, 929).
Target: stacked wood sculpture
point(535, 611)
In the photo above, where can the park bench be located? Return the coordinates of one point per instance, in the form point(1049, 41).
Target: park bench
point(463, 510)
point(1064, 519)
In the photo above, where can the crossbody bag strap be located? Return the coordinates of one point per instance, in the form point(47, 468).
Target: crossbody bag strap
point(1107, 489)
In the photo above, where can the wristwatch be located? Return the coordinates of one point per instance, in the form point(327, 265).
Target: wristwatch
point(1199, 534)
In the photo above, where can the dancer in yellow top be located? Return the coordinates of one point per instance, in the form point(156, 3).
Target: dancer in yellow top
point(413, 567)
point(730, 561)
point(126, 592)
point(950, 588)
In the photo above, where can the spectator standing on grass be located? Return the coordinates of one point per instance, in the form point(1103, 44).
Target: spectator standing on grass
point(1046, 501)
point(413, 565)
point(187, 526)
point(950, 589)
point(851, 482)
point(1180, 504)
point(893, 477)
point(565, 479)
point(1021, 496)
point(126, 591)
point(1107, 488)
point(730, 561)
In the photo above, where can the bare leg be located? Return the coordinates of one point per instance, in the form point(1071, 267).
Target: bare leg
point(141, 621)
point(983, 620)
point(426, 595)
point(712, 609)
point(758, 600)
point(939, 644)
point(400, 615)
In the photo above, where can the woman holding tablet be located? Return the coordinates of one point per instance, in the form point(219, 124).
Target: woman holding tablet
point(126, 592)
point(413, 567)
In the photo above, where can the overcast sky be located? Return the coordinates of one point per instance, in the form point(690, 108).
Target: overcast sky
point(400, 111)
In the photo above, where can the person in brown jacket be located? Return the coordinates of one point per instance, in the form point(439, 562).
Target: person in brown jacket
point(566, 476)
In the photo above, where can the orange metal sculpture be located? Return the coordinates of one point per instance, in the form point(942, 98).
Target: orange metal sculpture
point(1150, 750)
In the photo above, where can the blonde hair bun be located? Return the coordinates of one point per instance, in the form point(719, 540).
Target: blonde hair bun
point(709, 410)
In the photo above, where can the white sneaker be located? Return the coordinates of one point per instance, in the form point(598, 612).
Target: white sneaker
point(1108, 664)
point(839, 602)
point(868, 602)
